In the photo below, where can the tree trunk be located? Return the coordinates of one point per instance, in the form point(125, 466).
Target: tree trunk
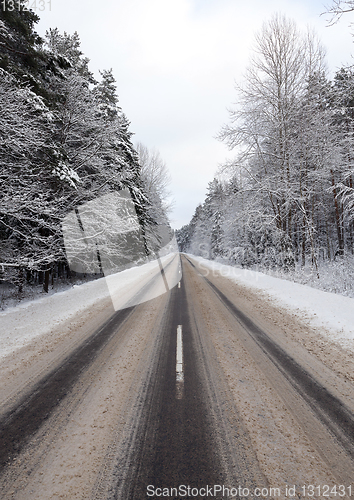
point(46, 280)
point(340, 250)
point(328, 242)
point(303, 242)
point(20, 280)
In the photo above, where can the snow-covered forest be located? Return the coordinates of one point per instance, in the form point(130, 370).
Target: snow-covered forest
point(64, 141)
point(285, 202)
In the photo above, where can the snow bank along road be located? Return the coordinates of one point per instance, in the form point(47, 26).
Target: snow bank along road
point(203, 391)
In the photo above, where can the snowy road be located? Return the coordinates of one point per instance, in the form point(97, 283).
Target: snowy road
point(204, 386)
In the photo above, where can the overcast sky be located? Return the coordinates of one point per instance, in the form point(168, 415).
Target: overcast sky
point(176, 62)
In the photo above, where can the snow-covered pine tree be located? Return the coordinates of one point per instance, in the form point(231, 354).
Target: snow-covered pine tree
point(28, 231)
point(69, 143)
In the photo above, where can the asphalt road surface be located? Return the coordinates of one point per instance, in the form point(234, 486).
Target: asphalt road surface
point(205, 391)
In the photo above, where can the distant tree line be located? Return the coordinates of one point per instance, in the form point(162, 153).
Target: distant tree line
point(288, 195)
point(64, 140)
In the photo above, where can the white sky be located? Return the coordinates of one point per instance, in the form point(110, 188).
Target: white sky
point(175, 62)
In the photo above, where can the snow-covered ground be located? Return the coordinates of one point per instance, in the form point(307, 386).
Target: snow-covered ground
point(331, 312)
point(33, 318)
point(20, 324)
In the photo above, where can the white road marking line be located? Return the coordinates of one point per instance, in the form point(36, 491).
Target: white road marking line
point(179, 364)
point(179, 356)
point(179, 284)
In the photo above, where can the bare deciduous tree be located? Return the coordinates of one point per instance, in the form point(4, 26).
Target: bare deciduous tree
point(277, 127)
point(338, 8)
point(155, 175)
